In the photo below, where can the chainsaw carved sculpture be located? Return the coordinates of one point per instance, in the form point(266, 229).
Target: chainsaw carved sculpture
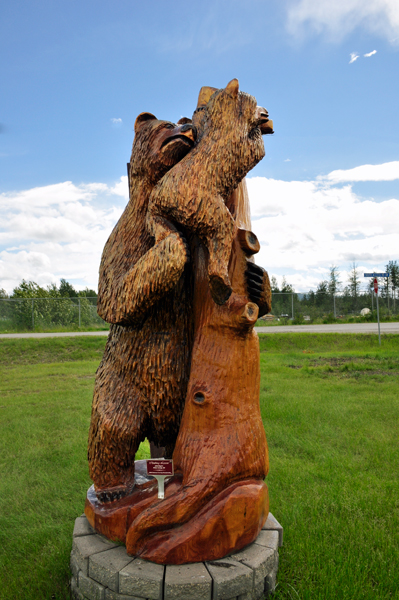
point(199, 269)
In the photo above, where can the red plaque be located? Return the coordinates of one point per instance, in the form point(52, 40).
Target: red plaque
point(160, 466)
point(375, 285)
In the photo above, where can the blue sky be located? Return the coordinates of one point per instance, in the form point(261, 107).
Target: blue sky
point(74, 76)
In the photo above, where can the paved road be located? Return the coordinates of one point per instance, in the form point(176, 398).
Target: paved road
point(336, 328)
point(47, 335)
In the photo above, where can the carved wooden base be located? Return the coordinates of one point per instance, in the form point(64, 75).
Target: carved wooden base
point(228, 522)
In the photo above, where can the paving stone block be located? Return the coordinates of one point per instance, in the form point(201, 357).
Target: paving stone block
point(104, 567)
point(82, 527)
point(273, 525)
point(110, 595)
point(255, 594)
point(184, 582)
point(230, 578)
point(268, 539)
point(75, 594)
point(91, 589)
point(259, 558)
point(74, 566)
point(143, 579)
point(270, 579)
point(85, 546)
point(246, 596)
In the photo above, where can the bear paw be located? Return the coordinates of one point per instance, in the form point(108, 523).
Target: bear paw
point(114, 493)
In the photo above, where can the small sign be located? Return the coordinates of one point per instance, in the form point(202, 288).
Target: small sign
point(376, 274)
point(375, 285)
point(160, 468)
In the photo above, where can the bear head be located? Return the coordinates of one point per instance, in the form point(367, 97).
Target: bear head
point(159, 145)
point(235, 117)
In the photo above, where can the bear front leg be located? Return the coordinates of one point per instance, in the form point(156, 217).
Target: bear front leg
point(219, 243)
point(127, 301)
point(118, 426)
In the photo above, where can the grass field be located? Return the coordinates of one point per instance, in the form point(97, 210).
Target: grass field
point(330, 406)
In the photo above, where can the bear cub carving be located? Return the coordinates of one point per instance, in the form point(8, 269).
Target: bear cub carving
point(193, 193)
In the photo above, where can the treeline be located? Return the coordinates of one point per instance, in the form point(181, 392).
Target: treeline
point(31, 306)
point(30, 289)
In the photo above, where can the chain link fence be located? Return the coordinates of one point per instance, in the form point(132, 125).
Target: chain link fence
point(31, 314)
point(41, 314)
point(312, 306)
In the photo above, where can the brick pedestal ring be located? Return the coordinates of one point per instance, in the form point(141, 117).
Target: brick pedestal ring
point(102, 570)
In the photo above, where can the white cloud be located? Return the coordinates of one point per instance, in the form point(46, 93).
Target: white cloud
point(304, 227)
point(121, 188)
point(354, 57)
point(56, 231)
point(338, 18)
point(116, 122)
point(370, 54)
point(384, 172)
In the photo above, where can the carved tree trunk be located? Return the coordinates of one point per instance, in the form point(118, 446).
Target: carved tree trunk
point(219, 502)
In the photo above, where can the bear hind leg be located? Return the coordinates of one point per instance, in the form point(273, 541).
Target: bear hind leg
point(118, 426)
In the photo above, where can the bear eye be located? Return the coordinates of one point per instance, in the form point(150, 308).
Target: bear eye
point(169, 126)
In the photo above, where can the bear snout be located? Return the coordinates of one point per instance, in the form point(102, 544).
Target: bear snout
point(189, 130)
point(264, 123)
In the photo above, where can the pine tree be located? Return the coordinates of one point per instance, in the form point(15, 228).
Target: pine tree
point(274, 284)
point(393, 269)
point(321, 293)
point(354, 285)
point(286, 287)
point(334, 281)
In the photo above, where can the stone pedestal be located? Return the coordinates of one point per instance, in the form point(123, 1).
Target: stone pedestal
point(102, 570)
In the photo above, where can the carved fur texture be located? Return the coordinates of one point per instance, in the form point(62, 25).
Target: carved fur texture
point(142, 379)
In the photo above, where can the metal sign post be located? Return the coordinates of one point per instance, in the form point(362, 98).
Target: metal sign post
point(375, 275)
point(378, 310)
point(160, 468)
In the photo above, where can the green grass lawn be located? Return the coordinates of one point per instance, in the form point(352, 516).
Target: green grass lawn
point(330, 406)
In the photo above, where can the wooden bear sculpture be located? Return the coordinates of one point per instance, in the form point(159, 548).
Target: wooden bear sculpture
point(142, 379)
point(194, 192)
point(217, 501)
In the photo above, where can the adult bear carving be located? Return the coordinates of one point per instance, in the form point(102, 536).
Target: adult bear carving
point(142, 379)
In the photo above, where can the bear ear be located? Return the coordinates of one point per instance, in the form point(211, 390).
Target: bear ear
point(205, 93)
point(232, 88)
point(183, 121)
point(143, 118)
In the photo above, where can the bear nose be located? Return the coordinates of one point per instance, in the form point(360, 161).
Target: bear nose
point(265, 124)
point(190, 131)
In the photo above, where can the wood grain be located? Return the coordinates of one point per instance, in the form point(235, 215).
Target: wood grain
point(198, 212)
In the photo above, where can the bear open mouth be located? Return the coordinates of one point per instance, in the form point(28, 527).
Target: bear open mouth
point(266, 126)
point(183, 138)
